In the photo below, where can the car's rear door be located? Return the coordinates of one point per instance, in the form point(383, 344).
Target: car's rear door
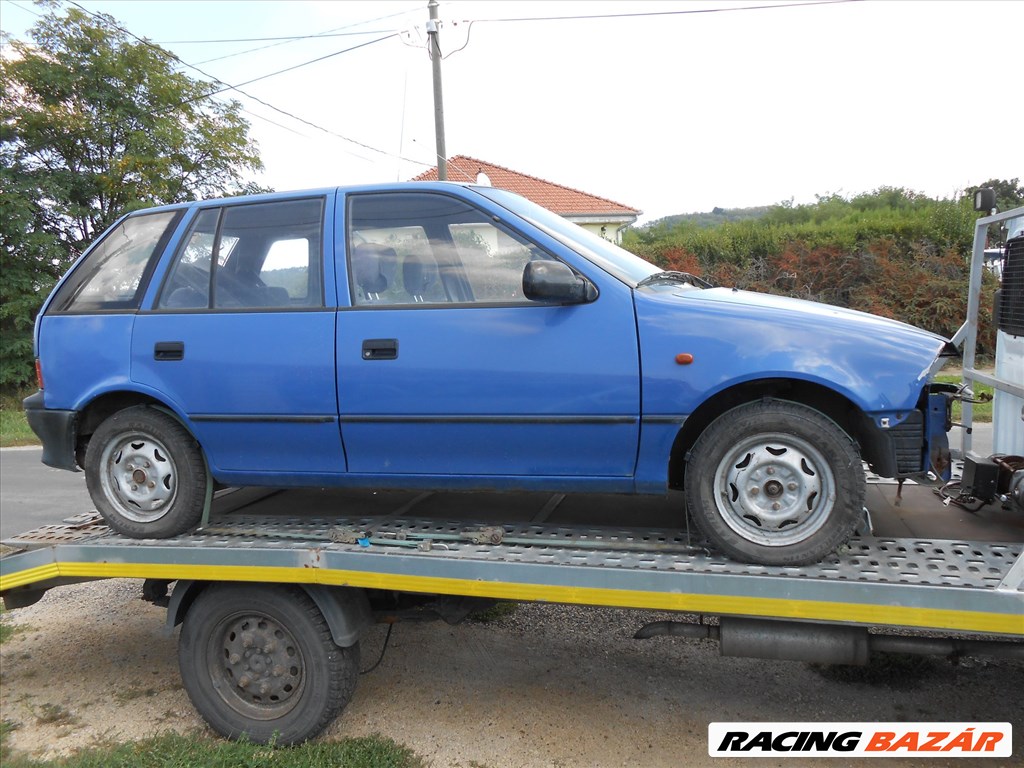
point(240, 338)
point(445, 368)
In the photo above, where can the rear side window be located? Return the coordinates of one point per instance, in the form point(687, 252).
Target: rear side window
point(251, 256)
point(114, 274)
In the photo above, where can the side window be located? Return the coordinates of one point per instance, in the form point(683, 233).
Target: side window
point(412, 248)
point(188, 284)
point(252, 256)
point(114, 274)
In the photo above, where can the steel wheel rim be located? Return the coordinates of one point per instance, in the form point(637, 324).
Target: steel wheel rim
point(774, 489)
point(256, 666)
point(139, 477)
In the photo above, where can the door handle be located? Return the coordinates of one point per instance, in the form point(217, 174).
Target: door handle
point(169, 350)
point(380, 349)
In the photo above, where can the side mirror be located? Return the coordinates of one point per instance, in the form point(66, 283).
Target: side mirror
point(554, 281)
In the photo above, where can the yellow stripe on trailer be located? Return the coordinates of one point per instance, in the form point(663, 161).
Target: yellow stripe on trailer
point(714, 604)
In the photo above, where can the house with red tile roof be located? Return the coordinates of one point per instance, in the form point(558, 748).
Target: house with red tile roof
point(598, 214)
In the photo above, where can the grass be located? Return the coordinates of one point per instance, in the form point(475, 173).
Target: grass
point(55, 714)
point(496, 612)
point(6, 726)
point(6, 630)
point(14, 429)
point(174, 750)
point(982, 411)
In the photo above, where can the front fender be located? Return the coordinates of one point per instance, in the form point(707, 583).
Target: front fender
point(878, 365)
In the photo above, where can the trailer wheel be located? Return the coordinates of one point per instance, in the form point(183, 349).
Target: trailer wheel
point(146, 474)
point(258, 661)
point(775, 483)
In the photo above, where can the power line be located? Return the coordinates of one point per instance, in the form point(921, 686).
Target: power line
point(471, 22)
point(228, 86)
point(23, 8)
point(295, 38)
point(668, 13)
point(336, 32)
point(285, 38)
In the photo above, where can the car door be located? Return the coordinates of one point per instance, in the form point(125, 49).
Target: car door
point(240, 341)
point(446, 369)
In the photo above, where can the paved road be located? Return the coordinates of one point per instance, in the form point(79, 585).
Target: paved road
point(32, 494)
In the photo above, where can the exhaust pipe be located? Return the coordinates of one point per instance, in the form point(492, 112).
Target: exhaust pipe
point(821, 643)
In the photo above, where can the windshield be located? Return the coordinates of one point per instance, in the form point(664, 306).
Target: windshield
point(627, 267)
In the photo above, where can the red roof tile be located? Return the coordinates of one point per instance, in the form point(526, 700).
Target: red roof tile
point(564, 201)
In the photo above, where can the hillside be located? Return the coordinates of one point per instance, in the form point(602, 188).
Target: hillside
point(892, 252)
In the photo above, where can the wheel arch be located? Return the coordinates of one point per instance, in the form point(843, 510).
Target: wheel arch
point(346, 609)
point(105, 405)
point(839, 408)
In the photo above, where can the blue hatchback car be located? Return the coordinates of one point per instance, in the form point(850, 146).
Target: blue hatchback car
point(435, 335)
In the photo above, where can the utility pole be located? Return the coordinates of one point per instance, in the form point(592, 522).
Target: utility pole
point(435, 59)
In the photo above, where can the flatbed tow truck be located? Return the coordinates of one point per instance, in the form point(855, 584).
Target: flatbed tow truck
point(276, 588)
point(398, 555)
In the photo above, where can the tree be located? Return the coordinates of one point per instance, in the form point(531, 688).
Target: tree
point(1009, 195)
point(95, 123)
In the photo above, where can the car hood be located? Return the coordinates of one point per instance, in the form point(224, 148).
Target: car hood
point(815, 311)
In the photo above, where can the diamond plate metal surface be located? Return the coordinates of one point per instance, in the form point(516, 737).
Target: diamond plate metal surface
point(75, 529)
point(875, 560)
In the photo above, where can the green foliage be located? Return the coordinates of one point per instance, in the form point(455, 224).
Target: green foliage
point(712, 218)
point(93, 124)
point(6, 630)
point(496, 612)
point(892, 252)
point(1009, 195)
point(6, 727)
point(177, 751)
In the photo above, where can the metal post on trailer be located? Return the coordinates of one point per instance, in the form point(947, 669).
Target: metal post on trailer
point(967, 335)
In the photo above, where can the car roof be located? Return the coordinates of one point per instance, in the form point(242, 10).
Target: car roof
point(399, 186)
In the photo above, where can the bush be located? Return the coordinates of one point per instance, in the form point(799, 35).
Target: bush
point(891, 252)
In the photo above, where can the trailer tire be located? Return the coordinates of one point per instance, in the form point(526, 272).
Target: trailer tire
point(775, 483)
point(146, 474)
point(258, 661)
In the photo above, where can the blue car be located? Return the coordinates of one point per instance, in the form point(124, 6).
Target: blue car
point(447, 336)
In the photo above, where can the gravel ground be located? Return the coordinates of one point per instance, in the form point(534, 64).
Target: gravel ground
point(546, 686)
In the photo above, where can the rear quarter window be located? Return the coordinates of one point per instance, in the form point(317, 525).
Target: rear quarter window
point(114, 274)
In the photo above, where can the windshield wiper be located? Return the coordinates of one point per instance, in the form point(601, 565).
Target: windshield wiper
point(671, 276)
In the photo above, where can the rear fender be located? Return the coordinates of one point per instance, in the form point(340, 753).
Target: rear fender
point(346, 609)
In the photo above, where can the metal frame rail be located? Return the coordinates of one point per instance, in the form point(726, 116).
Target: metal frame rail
point(956, 586)
point(968, 332)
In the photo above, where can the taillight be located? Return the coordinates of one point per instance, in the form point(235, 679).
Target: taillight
point(39, 373)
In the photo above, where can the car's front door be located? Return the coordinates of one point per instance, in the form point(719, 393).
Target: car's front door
point(240, 340)
point(445, 368)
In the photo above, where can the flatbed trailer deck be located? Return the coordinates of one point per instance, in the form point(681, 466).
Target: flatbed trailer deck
point(932, 583)
point(963, 596)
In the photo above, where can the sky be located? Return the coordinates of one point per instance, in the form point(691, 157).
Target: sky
point(677, 107)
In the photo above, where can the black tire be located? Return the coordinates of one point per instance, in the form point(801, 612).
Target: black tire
point(775, 483)
point(258, 661)
point(146, 474)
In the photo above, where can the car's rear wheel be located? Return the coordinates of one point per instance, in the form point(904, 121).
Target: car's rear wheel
point(775, 483)
point(146, 474)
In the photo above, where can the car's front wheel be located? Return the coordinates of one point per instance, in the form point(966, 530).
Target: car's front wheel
point(775, 483)
point(146, 474)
